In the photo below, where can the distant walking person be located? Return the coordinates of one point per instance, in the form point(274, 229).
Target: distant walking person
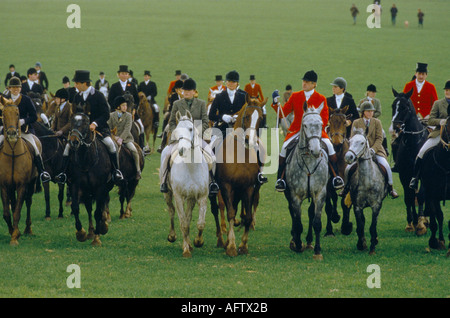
point(354, 11)
point(420, 15)
point(394, 12)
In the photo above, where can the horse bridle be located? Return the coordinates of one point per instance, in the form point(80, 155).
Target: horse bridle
point(80, 137)
point(343, 135)
point(362, 152)
point(193, 132)
point(402, 122)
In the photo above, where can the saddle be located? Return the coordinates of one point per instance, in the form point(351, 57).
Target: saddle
point(208, 158)
point(293, 144)
point(380, 166)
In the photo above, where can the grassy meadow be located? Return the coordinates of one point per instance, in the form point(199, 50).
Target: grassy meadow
point(278, 41)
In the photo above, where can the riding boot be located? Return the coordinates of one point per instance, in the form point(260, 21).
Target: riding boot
point(163, 142)
point(163, 187)
point(337, 181)
point(166, 120)
point(44, 175)
point(62, 177)
point(137, 164)
point(414, 184)
point(261, 178)
point(392, 192)
point(213, 186)
point(116, 174)
point(280, 186)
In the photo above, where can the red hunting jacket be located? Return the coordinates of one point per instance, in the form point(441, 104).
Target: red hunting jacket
point(424, 100)
point(295, 104)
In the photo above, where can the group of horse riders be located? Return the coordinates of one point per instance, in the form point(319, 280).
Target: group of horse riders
point(226, 100)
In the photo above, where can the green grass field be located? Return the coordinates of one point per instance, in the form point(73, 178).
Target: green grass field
point(278, 41)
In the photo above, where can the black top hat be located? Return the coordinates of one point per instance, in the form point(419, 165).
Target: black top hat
point(232, 76)
point(310, 76)
point(65, 80)
point(178, 84)
point(123, 68)
point(119, 100)
point(101, 73)
point(147, 73)
point(11, 65)
point(252, 77)
point(62, 93)
point(288, 87)
point(15, 82)
point(31, 70)
point(189, 84)
point(177, 72)
point(447, 85)
point(371, 88)
point(219, 78)
point(81, 76)
point(421, 68)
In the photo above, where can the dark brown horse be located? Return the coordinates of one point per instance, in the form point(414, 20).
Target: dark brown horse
point(337, 131)
point(146, 114)
point(17, 172)
point(237, 170)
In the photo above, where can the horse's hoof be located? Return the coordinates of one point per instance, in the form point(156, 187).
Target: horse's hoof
point(231, 251)
point(421, 229)
point(187, 254)
point(371, 253)
point(81, 235)
point(103, 227)
point(347, 228)
point(318, 257)
point(331, 234)
point(220, 243)
point(171, 238)
point(48, 218)
point(361, 245)
point(409, 228)
point(294, 247)
point(90, 235)
point(448, 253)
point(198, 242)
point(14, 242)
point(309, 247)
point(243, 250)
point(96, 241)
point(335, 218)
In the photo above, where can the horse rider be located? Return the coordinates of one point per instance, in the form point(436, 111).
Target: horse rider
point(31, 84)
point(226, 105)
point(123, 121)
point(254, 90)
point(342, 98)
point(27, 115)
point(295, 104)
point(197, 108)
point(149, 88)
point(374, 135)
point(214, 90)
point(438, 116)
point(63, 113)
point(424, 93)
point(95, 106)
point(102, 85)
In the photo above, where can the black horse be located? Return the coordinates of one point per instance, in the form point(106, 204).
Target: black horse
point(89, 176)
point(412, 134)
point(435, 176)
point(52, 151)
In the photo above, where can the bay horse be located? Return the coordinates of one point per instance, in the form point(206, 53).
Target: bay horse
point(188, 182)
point(146, 114)
point(52, 154)
point(307, 175)
point(337, 131)
point(18, 173)
point(435, 176)
point(237, 170)
point(367, 185)
point(412, 134)
point(89, 177)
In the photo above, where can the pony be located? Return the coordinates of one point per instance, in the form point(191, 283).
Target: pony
point(307, 175)
point(412, 134)
point(52, 153)
point(146, 114)
point(337, 131)
point(237, 173)
point(368, 187)
point(435, 177)
point(89, 177)
point(18, 173)
point(188, 181)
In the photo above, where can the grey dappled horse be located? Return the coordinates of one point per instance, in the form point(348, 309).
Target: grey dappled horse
point(306, 178)
point(368, 187)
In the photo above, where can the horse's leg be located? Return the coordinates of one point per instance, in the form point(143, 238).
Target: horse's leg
point(184, 225)
point(373, 229)
point(440, 220)
point(68, 196)
point(21, 192)
point(75, 207)
point(172, 237)
point(221, 206)
point(246, 218)
point(421, 228)
point(101, 226)
point(411, 216)
point(28, 202)
point(202, 207)
point(255, 206)
point(328, 211)
point(346, 226)
point(60, 199)
point(317, 224)
point(228, 197)
point(215, 212)
point(122, 200)
point(46, 186)
point(309, 236)
point(360, 220)
point(6, 209)
point(88, 206)
point(297, 227)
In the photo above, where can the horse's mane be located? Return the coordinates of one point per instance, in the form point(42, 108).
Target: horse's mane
point(43, 130)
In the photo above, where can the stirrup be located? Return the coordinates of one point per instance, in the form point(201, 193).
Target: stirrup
point(281, 185)
point(61, 178)
point(261, 178)
point(414, 183)
point(45, 177)
point(338, 183)
point(213, 188)
point(117, 176)
point(163, 188)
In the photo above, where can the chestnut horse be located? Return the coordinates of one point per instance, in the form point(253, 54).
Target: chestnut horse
point(237, 170)
point(146, 113)
point(18, 174)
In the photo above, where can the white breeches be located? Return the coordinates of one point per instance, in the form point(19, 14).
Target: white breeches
point(327, 142)
point(107, 141)
point(130, 146)
point(431, 142)
point(27, 137)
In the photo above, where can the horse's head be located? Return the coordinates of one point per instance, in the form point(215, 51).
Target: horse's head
point(358, 146)
point(38, 101)
point(445, 133)
point(130, 102)
point(143, 106)
point(249, 119)
point(402, 110)
point(338, 126)
point(11, 118)
point(311, 130)
point(185, 133)
point(80, 132)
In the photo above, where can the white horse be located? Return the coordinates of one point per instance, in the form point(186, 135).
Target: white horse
point(188, 181)
point(367, 187)
point(307, 177)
